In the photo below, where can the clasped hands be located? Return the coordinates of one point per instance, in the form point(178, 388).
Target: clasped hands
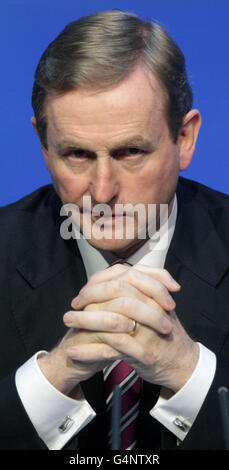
point(160, 350)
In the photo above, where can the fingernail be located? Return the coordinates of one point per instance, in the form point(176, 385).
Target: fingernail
point(75, 301)
point(67, 317)
point(176, 285)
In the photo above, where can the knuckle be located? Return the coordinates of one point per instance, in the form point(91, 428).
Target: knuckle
point(156, 310)
point(165, 272)
point(118, 286)
point(134, 274)
point(133, 304)
point(161, 289)
point(95, 275)
point(117, 268)
point(148, 358)
point(129, 270)
point(123, 303)
point(126, 305)
point(111, 321)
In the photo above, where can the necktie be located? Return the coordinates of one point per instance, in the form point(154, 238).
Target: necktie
point(122, 374)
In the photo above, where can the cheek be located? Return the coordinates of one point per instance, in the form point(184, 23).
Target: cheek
point(156, 183)
point(144, 183)
point(70, 187)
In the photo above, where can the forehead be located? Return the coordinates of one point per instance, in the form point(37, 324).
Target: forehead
point(135, 103)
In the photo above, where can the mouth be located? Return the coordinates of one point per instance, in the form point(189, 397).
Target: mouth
point(106, 218)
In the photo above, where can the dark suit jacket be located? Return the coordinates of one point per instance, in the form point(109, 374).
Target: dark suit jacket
point(40, 273)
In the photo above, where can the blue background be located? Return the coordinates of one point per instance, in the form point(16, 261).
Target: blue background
point(201, 28)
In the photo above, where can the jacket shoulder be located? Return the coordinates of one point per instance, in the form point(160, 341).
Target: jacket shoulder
point(21, 221)
point(208, 205)
point(31, 202)
point(191, 190)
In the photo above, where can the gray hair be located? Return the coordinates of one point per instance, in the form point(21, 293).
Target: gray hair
point(100, 50)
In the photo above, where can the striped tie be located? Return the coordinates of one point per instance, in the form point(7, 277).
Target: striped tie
point(120, 373)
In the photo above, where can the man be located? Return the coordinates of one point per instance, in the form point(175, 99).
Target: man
point(112, 107)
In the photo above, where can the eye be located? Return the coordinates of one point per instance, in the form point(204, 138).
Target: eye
point(130, 152)
point(134, 151)
point(77, 153)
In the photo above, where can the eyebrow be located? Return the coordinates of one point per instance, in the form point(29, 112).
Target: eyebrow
point(131, 142)
point(136, 141)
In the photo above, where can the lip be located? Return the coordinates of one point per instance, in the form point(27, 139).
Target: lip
point(105, 218)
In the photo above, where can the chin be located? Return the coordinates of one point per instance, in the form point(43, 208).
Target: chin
point(122, 248)
point(111, 244)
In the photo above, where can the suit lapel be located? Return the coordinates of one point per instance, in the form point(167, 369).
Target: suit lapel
point(196, 244)
point(45, 281)
point(198, 260)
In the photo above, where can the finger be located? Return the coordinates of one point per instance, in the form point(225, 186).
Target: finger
point(154, 317)
point(126, 345)
point(161, 275)
point(112, 272)
point(98, 320)
point(151, 287)
point(93, 353)
point(103, 292)
point(137, 285)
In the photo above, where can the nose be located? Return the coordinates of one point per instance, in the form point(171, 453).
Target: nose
point(104, 185)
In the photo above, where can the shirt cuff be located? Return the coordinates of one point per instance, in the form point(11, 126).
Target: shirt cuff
point(56, 417)
point(179, 412)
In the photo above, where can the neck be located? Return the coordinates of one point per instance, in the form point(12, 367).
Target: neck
point(130, 249)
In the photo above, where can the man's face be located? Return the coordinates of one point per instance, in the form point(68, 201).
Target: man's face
point(113, 145)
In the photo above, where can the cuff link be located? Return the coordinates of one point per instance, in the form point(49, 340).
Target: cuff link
point(66, 425)
point(182, 425)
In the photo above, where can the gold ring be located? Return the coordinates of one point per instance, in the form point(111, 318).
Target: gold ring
point(131, 333)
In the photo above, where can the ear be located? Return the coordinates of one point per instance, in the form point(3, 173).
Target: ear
point(188, 136)
point(44, 150)
point(34, 123)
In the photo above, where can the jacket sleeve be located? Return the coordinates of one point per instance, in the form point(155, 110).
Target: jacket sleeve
point(16, 430)
point(206, 432)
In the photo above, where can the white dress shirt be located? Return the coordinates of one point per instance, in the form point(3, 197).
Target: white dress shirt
point(57, 417)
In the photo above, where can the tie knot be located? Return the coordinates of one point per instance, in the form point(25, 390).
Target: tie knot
point(120, 261)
